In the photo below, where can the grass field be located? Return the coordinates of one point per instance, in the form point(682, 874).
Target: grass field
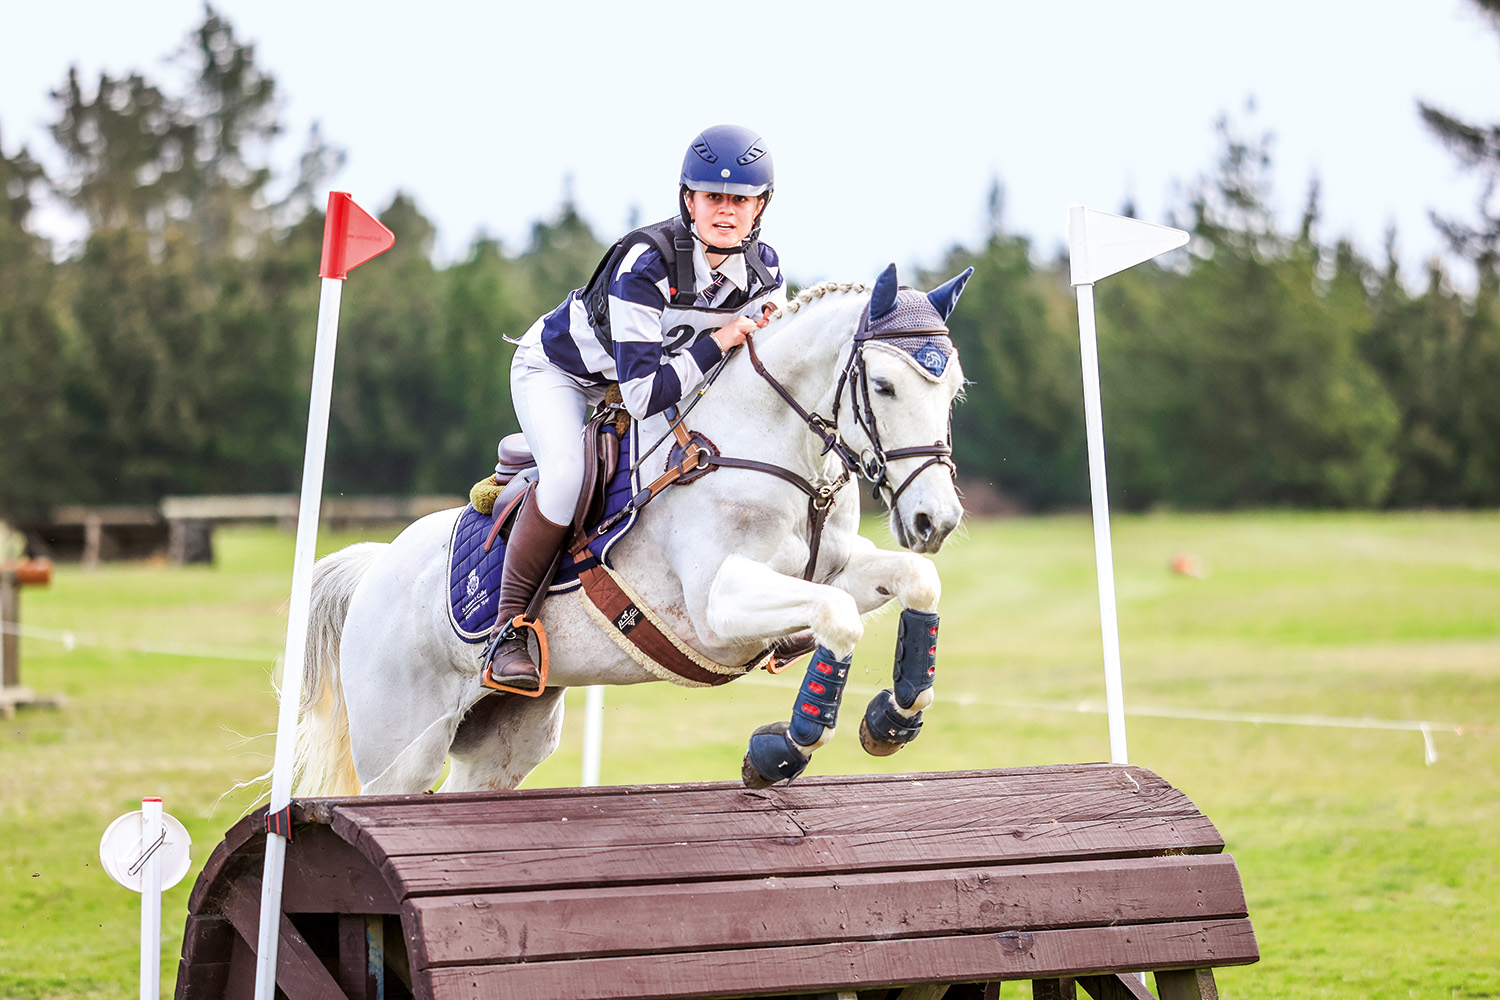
point(1370, 873)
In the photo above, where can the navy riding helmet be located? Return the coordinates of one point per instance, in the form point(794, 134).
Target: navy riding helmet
point(729, 159)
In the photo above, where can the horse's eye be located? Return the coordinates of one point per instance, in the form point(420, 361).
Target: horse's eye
point(884, 388)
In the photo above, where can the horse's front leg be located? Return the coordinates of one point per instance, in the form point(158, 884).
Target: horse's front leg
point(751, 600)
point(874, 576)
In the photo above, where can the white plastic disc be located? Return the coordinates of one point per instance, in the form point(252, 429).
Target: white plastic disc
point(120, 849)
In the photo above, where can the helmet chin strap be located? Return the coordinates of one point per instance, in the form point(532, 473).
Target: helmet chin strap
point(710, 248)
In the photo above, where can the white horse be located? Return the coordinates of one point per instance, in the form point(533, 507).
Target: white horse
point(392, 692)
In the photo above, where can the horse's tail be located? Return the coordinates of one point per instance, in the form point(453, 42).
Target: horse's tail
point(323, 763)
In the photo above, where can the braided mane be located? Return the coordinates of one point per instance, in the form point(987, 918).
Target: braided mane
point(817, 291)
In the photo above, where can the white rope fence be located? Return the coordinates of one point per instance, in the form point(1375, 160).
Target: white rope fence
point(71, 640)
point(1086, 707)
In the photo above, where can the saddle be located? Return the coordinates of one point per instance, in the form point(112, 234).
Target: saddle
point(516, 472)
point(606, 509)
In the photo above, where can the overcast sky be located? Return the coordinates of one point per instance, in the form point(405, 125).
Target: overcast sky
point(887, 121)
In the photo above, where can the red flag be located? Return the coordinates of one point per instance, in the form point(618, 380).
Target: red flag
point(351, 236)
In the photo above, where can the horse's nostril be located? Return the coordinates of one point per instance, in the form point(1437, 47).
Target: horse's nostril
point(923, 525)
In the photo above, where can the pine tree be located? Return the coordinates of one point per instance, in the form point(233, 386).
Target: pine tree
point(1477, 148)
point(35, 355)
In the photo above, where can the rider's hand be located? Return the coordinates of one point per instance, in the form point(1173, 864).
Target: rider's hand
point(732, 334)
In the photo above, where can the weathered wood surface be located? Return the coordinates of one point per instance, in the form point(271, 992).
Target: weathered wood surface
point(500, 926)
point(814, 967)
point(832, 885)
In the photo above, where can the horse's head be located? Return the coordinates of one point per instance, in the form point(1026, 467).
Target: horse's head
point(903, 378)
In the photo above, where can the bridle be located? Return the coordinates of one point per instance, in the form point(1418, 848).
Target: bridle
point(699, 456)
point(874, 468)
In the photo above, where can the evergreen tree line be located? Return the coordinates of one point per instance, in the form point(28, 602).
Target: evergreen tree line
point(171, 354)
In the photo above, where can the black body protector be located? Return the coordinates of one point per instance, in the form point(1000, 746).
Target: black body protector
point(682, 321)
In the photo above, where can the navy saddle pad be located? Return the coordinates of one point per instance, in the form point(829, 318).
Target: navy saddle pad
point(474, 574)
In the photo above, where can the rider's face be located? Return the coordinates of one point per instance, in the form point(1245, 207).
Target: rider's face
point(723, 220)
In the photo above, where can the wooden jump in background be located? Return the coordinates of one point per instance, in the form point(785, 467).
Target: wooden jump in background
point(918, 887)
point(15, 574)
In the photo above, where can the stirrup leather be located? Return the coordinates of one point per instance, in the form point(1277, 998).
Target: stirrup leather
point(512, 630)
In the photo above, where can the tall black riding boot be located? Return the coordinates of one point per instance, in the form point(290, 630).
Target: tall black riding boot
point(530, 560)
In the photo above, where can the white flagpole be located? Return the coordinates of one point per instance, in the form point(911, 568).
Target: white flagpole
point(151, 831)
point(296, 631)
point(1093, 415)
point(593, 734)
point(1100, 244)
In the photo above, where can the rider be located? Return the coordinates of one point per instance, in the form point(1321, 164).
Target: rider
point(664, 306)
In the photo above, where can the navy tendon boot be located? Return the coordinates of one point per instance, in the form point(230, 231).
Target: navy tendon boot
point(780, 751)
point(894, 716)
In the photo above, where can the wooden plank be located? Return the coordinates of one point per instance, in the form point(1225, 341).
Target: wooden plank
point(763, 834)
point(207, 947)
point(241, 972)
point(227, 853)
point(488, 827)
point(207, 938)
point(533, 926)
point(392, 839)
point(1186, 984)
point(106, 515)
point(924, 991)
point(803, 792)
point(202, 981)
point(242, 507)
point(610, 821)
point(325, 874)
point(894, 795)
point(300, 974)
point(1117, 986)
point(841, 966)
point(283, 506)
point(361, 967)
point(369, 509)
point(557, 868)
point(1018, 810)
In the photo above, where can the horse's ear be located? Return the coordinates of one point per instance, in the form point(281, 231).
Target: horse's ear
point(945, 296)
point(883, 300)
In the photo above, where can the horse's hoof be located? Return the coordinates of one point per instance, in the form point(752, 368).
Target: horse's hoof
point(874, 747)
point(752, 778)
point(772, 757)
point(894, 729)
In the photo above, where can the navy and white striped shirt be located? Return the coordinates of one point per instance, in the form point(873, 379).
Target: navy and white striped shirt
point(658, 352)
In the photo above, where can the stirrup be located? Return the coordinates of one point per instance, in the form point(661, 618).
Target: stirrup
point(512, 630)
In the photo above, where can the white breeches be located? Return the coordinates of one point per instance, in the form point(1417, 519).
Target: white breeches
point(552, 409)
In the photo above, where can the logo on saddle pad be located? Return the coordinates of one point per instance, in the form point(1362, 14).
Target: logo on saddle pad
point(473, 583)
point(628, 619)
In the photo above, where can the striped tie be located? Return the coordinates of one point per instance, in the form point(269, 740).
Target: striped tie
point(707, 296)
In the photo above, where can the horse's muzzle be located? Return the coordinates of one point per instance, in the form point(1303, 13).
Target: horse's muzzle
point(924, 532)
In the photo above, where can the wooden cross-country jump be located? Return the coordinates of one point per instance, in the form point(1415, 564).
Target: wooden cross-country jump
point(918, 887)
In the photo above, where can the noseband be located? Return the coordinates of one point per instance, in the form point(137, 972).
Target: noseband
point(875, 468)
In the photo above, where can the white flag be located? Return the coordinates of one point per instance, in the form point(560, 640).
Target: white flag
point(1100, 244)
